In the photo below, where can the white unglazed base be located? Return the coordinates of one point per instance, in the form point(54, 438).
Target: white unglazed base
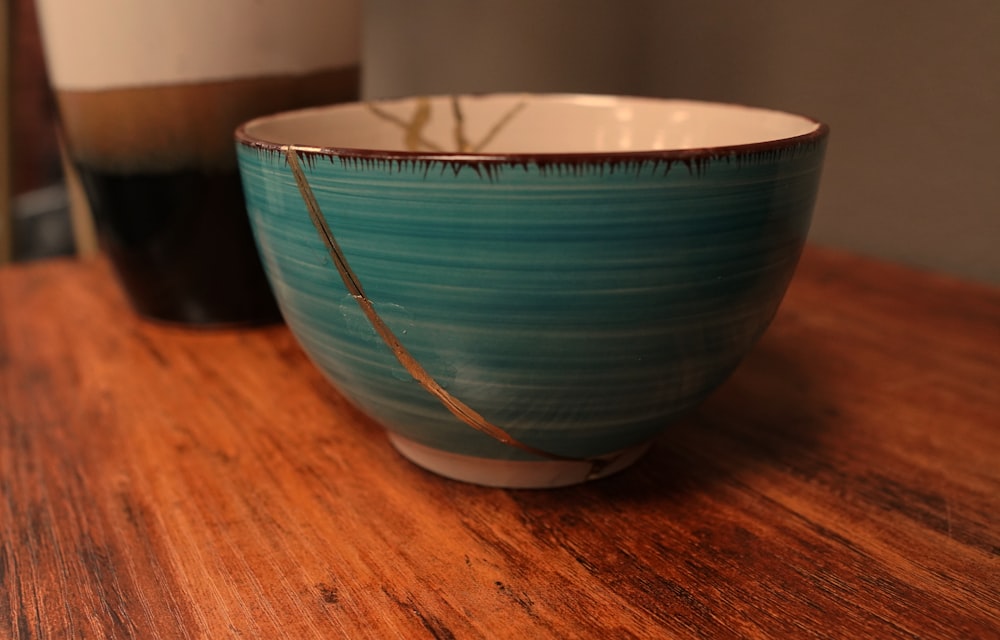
point(512, 474)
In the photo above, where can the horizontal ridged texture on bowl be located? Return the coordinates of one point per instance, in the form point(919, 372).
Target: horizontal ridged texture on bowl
point(580, 306)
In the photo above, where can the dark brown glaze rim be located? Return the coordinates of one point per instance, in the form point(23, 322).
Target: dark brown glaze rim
point(695, 159)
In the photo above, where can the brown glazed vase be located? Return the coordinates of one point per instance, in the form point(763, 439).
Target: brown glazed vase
point(149, 94)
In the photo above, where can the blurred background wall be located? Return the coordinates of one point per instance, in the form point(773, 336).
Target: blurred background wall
point(33, 199)
point(911, 89)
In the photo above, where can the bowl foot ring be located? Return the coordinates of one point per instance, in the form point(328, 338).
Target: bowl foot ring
point(513, 474)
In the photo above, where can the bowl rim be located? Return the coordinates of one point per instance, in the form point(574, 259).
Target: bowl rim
point(814, 137)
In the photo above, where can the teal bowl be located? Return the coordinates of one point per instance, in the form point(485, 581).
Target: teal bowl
point(525, 290)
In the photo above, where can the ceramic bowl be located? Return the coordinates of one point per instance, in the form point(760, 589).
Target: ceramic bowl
point(525, 290)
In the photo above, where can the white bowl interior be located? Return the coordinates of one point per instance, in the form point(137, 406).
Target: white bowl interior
point(529, 124)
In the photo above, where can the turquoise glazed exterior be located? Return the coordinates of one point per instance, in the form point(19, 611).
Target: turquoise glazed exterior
point(579, 301)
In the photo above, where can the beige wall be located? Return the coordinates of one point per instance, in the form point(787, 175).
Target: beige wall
point(911, 89)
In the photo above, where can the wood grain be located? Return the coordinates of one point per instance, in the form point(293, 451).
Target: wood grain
point(166, 483)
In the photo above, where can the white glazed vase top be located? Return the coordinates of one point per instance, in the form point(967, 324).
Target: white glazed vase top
point(105, 44)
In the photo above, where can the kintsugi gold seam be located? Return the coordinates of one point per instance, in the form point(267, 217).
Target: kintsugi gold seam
point(413, 137)
point(459, 409)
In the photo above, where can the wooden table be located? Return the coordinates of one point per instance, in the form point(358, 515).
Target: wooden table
point(169, 483)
